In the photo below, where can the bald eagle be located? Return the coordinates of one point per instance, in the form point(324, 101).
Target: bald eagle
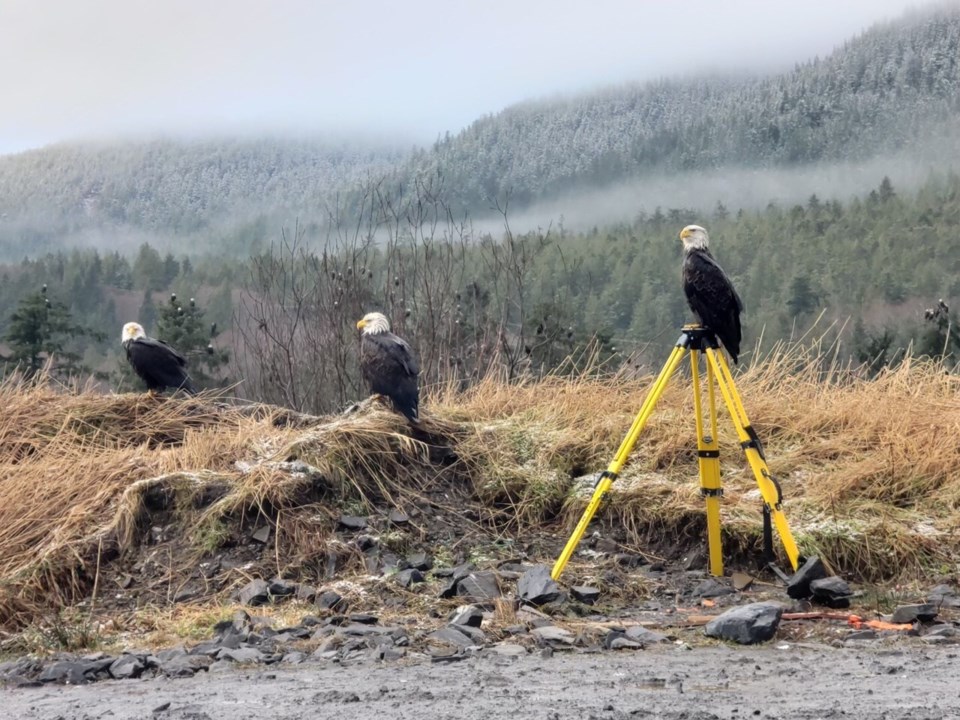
point(710, 294)
point(157, 364)
point(388, 365)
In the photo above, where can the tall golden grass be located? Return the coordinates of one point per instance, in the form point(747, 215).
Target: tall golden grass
point(869, 469)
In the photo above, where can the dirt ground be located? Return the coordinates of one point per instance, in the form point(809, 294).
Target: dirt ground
point(893, 681)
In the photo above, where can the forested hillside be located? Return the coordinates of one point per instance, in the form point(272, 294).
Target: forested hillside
point(893, 88)
point(887, 88)
point(524, 302)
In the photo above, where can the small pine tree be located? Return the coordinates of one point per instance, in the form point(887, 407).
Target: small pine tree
point(40, 331)
point(182, 326)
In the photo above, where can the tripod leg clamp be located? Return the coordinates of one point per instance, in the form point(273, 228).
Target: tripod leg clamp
point(603, 476)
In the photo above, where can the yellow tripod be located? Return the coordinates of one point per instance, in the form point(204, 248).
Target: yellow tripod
point(696, 339)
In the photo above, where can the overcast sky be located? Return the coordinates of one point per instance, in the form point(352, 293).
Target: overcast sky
point(408, 69)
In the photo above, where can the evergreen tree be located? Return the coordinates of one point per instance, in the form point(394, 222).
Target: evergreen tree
point(39, 332)
point(182, 325)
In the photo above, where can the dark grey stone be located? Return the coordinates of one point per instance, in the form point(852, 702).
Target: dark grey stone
point(126, 666)
point(924, 612)
point(364, 618)
point(467, 615)
point(210, 649)
point(281, 588)
point(862, 635)
point(353, 522)
point(831, 591)
point(398, 518)
point(330, 600)
point(479, 587)
point(553, 635)
point(307, 593)
point(624, 643)
point(944, 596)
point(261, 534)
point(183, 665)
point(449, 589)
point(294, 658)
point(254, 593)
point(451, 636)
point(585, 594)
point(72, 672)
point(475, 634)
point(240, 655)
point(420, 561)
point(943, 630)
point(710, 588)
point(408, 577)
point(537, 587)
point(748, 624)
point(645, 636)
point(799, 586)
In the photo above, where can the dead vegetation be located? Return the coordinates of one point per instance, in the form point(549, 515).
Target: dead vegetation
point(868, 468)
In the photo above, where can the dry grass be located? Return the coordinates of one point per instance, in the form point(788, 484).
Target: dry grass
point(868, 468)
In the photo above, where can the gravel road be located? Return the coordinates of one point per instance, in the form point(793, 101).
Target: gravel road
point(874, 680)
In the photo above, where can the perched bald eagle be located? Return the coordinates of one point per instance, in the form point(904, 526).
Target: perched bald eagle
point(388, 365)
point(157, 364)
point(710, 294)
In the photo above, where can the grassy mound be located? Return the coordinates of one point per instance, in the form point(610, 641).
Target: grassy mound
point(868, 469)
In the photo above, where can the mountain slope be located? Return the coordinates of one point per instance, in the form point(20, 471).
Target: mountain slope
point(894, 86)
point(878, 92)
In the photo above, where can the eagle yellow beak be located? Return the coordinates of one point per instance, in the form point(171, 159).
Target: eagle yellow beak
point(361, 324)
point(685, 233)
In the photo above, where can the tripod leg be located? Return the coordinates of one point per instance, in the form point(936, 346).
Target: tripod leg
point(616, 465)
point(754, 451)
point(708, 452)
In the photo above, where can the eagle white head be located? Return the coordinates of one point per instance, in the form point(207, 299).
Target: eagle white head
point(132, 331)
point(374, 323)
point(694, 237)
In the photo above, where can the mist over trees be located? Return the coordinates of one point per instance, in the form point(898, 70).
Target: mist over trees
point(895, 86)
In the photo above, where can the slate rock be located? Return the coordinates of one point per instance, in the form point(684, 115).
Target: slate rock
point(398, 518)
point(862, 635)
point(479, 586)
point(643, 635)
point(451, 636)
point(710, 588)
point(508, 650)
point(261, 535)
point(409, 577)
point(942, 630)
point(467, 615)
point(420, 561)
point(747, 624)
point(126, 666)
point(537, 587)
point(306, 593)
point(72, 672)
point(240, 655)
point(944, 596)
point(624, 643)
point(364, 618)
point(181, 666)
point(294, 657)
point(924, 612)
point(449, 589)
point(553, 635)
point(831, 591)
point(281, 588)
point(353, 522)
point(586, 594)
point(799, 586)
point(254, 593)
point(330, 600)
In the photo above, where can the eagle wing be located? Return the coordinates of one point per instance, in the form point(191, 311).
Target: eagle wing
point(713, 299)
point(158, 364)
point(389, 368)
